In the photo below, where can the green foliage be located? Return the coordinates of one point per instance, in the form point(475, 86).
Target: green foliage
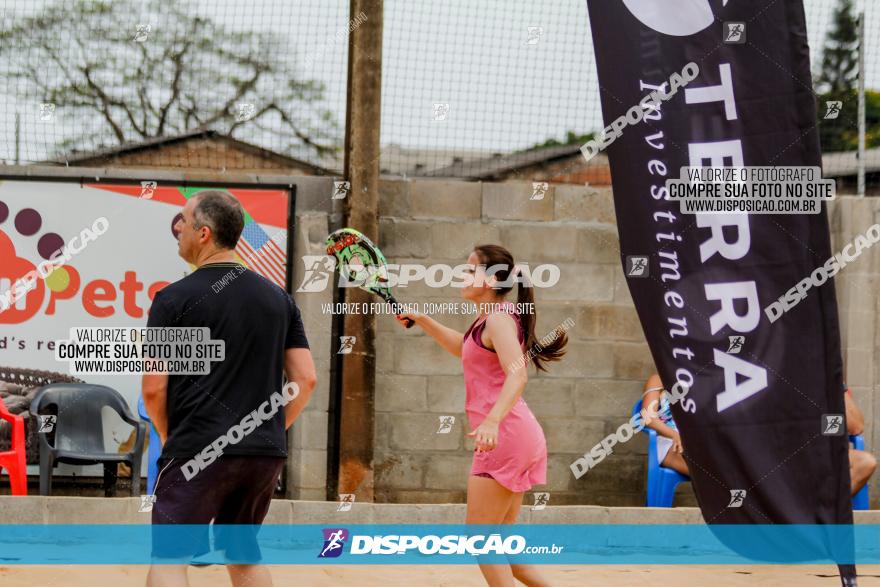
point(188, 73)
point(838, 81)
point(842, 133)
point(840, 60)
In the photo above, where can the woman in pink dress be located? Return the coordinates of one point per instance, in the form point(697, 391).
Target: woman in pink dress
point(510, 452)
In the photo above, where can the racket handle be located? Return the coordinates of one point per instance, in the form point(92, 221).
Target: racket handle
point(409, 323)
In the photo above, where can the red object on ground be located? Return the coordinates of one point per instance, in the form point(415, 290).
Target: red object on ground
point(15, 461)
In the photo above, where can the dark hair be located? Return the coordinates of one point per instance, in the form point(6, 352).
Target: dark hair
point(501, 261)
point(222, 213)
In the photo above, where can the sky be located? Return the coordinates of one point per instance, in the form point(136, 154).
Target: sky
point(503, 93)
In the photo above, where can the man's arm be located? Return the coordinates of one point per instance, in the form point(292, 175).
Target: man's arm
point(154, 387)
point(155, 392)
point(300, 369)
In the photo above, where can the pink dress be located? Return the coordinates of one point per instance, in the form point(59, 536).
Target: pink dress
point(520, 459)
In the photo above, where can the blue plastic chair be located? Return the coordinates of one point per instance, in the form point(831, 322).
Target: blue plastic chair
point(662, 481)
point(155, 448)
point(860, 500)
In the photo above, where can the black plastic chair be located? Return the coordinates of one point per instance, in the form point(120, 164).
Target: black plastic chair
point(79, 432)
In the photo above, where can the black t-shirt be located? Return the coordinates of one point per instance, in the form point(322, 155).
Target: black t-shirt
point(257, 320)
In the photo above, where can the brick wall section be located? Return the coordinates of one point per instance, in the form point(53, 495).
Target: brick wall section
point(197, 153)
point(569, 170)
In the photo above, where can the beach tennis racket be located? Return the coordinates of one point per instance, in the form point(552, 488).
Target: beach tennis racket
point(361, 262)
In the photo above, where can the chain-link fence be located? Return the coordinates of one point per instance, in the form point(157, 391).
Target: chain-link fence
point(473, 90)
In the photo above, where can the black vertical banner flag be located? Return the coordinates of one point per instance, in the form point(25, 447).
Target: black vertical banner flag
point(751, 423)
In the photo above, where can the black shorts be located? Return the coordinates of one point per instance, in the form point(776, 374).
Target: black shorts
point(233, 490)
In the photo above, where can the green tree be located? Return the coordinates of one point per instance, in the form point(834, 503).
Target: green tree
point(840, 60)
point(122, 83)
point(842, 133)
point(837, 82)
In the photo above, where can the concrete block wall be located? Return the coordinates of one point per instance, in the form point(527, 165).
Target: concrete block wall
point(308, 438)
point(858, 286)
point(580, 400)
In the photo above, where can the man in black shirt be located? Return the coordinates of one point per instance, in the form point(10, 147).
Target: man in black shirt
point(223, 433)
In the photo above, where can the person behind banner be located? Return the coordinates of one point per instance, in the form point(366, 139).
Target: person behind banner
point(657, 415)
point(223, 433)
point(862, 464)
point(510, 454)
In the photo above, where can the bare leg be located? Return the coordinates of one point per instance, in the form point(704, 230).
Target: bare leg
point(167, 576)
point(249, 575)
point(861, 467)
point(526, 574)
point(487, 503)
point(675, 461)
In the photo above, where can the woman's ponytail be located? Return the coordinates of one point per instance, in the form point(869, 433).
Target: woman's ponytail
point(552, 346)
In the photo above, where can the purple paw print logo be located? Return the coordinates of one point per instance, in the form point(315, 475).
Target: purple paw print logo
point(21, 304)
point(28, 222)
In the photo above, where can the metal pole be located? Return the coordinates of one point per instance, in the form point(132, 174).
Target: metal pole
point(861, 159)
point(358, 377)
point(17, 138)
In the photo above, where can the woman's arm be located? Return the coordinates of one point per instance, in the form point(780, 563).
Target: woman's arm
point(501, 334)
point(446, 337)
point(651, 406)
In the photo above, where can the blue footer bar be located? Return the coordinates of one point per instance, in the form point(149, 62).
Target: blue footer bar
point(308, 544)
